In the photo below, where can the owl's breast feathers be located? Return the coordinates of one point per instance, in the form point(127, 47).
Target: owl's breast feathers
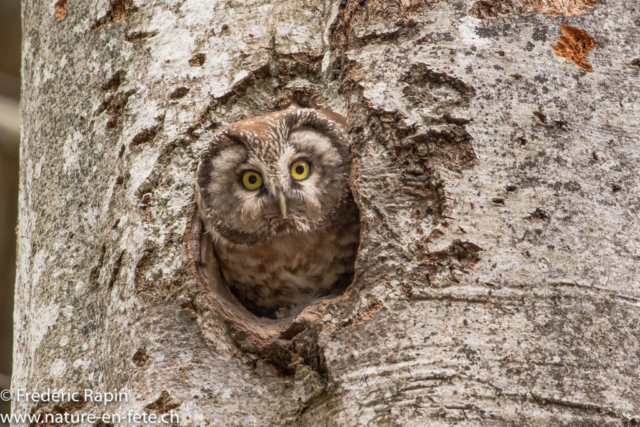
point(290, 268)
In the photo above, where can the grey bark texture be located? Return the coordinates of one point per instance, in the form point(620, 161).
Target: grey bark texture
point(498, 277)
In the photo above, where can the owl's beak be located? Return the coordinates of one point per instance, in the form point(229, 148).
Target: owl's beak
point(283, 203)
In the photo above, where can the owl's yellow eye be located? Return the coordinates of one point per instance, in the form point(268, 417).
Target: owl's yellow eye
point(251, 180)
point(300, 170)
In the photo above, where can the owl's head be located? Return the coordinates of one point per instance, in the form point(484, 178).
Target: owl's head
point(277, 173)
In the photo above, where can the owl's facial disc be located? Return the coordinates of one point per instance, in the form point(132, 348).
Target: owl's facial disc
point(295, 184)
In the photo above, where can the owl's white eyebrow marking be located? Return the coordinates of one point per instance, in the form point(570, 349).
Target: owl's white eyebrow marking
point(316, 142)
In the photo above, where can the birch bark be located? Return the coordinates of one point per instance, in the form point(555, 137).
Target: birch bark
point(497, 280)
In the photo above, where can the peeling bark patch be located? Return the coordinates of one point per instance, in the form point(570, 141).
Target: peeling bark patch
point(119, 11)
point(484, 9)
point(197, 60)
point(636, 62)
point(60, 9)
point(163, 404)
point(561, 7)
point(575, 46)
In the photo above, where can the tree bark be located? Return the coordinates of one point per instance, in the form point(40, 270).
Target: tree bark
point(495, 168)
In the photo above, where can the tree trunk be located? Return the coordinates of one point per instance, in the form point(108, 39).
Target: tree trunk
point(495, 168)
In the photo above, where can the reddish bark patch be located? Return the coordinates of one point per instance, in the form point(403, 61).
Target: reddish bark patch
point(575, 46)
point(60, 9)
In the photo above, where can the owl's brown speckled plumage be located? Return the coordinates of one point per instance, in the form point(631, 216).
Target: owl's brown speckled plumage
point(291, 240)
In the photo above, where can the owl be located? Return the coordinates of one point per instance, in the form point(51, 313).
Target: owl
point(273, 193)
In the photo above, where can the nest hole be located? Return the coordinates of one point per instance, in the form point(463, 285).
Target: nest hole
point(248, 321)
